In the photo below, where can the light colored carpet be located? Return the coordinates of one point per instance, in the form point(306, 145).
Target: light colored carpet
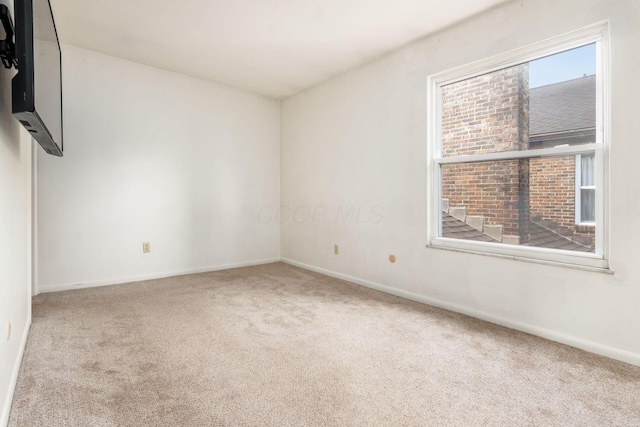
point(275, 345)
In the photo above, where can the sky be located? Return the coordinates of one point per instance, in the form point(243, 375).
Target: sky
point(567, 65)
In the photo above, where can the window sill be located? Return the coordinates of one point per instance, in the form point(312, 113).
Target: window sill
point(604, 268)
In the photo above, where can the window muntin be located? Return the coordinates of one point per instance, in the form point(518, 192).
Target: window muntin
point(579, 201)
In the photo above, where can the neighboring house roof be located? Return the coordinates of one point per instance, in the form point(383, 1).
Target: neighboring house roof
point(543, 237)
point(563, 107)
point(456, 229)
point(539, 235)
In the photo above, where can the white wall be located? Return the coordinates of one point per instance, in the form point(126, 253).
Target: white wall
point(357, 143)
point(15, 241)
point(153, 156)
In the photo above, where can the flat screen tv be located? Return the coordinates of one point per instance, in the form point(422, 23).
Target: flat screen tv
point(37, 88)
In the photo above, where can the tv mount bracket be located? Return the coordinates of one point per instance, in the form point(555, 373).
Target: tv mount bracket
point(7, 46)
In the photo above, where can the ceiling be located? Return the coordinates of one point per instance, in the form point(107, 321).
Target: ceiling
point(272, 47)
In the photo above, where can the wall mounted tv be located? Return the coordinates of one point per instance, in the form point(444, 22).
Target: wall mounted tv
point(37, 88)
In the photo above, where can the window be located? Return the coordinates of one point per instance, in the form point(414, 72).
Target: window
point(516, 153)
point(585, 189)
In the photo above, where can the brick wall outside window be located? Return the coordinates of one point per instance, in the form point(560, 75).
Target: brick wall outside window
point(486, 114)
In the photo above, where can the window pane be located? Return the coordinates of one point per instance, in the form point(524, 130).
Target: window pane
point(588, 205)
point(588, 170)
point(540, 104)
point(529, 202)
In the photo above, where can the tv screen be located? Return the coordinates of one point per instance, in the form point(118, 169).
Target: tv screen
point(37, 88)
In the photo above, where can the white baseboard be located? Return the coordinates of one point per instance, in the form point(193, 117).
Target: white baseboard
point(590, 346)
point(151, 276)
point(6, 407)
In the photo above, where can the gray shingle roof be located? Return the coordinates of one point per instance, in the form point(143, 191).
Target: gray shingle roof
point(563, 107)
point(543, 237)
point(539, 235)
point(456, 229)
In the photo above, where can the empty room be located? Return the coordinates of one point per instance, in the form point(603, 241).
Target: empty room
point(319, 213)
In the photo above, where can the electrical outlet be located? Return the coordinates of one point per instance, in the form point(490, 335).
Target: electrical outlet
point(8, 330)
point(336, 249)
point(146, 247)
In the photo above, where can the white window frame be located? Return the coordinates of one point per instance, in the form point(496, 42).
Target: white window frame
point(598, 260)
